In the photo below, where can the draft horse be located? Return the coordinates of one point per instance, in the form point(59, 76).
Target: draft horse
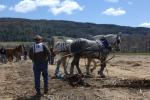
point(94, 49)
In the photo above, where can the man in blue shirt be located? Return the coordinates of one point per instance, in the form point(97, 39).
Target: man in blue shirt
point(39, 54)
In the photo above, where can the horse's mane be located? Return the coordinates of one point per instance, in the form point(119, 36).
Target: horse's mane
point(106, 36)
point(61, 39)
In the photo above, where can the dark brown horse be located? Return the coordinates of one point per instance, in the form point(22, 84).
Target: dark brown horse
point(18, 52)
point(10, 54)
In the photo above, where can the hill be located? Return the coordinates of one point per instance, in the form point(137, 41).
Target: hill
point(17, 29)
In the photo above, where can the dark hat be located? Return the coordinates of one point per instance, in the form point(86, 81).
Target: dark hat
point(38, 37)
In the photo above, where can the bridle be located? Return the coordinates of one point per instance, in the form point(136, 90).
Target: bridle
point(116, 42)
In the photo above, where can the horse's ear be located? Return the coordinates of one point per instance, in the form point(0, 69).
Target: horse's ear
point(119, 36)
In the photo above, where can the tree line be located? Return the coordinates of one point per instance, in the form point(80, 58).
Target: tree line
point(134, 39)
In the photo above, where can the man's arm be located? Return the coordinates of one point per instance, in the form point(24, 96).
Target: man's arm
point(47, 52)
point(31, 53)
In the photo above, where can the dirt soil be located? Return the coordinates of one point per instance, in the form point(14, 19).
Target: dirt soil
point(127, 78)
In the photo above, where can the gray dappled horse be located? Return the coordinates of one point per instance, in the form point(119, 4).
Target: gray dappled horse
point(61, 49)
point(93, 49)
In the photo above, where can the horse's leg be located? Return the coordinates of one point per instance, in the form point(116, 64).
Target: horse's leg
point(64, 65)
point(88, 66)
point(58, 66)
point(95, 65)
point(20, 57)
point(72, 65)
point(103, 65)
point(11, 58)
point(77, 64)
point(17, 58)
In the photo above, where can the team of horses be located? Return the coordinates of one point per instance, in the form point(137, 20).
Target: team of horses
point(84, 48)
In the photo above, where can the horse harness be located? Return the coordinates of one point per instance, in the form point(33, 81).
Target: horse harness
point(103, 45)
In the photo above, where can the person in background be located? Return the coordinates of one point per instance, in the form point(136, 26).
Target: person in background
point(39, 55)
point(3, 55)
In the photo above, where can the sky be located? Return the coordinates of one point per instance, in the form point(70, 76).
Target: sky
point(135, 13)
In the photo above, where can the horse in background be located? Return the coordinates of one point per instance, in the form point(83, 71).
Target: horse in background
point(53, 44)
point(18, 52)
point(10, 54)
point(61, 49)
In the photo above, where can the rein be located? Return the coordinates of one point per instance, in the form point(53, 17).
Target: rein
point(113, 56)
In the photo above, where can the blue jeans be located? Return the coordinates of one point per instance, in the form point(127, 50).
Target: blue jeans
point(38, 68)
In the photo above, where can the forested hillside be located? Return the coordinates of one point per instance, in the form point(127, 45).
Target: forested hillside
point(16, 29)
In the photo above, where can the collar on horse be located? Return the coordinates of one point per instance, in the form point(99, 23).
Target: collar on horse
point(103, 45)
point(99, 43)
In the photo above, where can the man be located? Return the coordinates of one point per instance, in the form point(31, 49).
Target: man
point(39, 54)
point(3, 55)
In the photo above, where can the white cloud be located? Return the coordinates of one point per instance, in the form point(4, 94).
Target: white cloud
point(130, 3)
point(116, 1)
point(24, 6)
point(68, 6)
point(2, 7)
point(146, 24)
point(113, 1)
point(48, 3)
point(114, 12)
point(55, 6)
point(10, 8)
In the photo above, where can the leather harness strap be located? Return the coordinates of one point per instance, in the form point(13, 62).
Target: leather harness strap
point(99, 43)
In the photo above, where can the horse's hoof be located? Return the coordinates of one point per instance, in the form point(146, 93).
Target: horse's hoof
point(102, 76)
point(66, 73)
point(98, 72)
point(82, 75)
point(88, 74)
point(91, 70)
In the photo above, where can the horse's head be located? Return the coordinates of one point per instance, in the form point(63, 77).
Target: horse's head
point(114, 40)
point(117, 43)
